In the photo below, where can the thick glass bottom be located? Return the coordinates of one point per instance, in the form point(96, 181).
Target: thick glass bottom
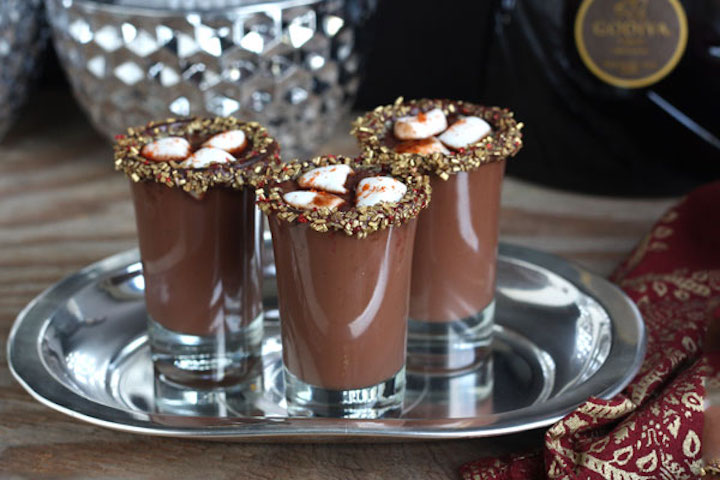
point(198, 361)
point(382, 400)
point(239, 399)
point(467, 395)
point(442, 347)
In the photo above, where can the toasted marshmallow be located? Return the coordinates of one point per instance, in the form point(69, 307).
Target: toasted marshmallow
point(309, 200)
point(167, 149)
point(232, 141)
point(422, 125)
point(426, 146)
point(207, 156)
point(373, 190)
point(330, 178)
point(464, 132)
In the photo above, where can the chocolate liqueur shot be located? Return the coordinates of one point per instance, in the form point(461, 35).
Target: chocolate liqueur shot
point(463, 147)
point(343, 234)
point(192, 187)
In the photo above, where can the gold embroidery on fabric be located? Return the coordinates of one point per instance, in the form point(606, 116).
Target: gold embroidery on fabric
point(606, 411)
point(675, 307)
point(640, 389)
point(674, 426)
point(662, 231)
point(660, 431)
point(671, 215)
point(691, 444)
point(660, 288)
point(575, 423)
point(701, 283)
point(600, 445)
point(648, 463)
point(670, 469)
point(622, 434)
point(689, 344)
point(623, 455)
point(693, 401)
point(609, 471)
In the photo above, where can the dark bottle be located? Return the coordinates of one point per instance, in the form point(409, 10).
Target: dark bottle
point(619, 96)
point(426, 48)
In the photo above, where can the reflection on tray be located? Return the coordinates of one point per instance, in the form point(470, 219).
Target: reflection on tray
point(516, 375)
point(580, 337)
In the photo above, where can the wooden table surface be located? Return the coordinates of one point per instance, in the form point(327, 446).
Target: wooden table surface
point(62, 207)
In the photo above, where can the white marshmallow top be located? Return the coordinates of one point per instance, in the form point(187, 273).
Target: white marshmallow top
point(207, 156)
point(425, 147)
point(422, 125)
point(232, 141)
point(464, 132)
point(167, 149)
point(309, 200)
point(373, 190)
point(330, 178)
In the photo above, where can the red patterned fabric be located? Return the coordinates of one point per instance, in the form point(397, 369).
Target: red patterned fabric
point(654, 429)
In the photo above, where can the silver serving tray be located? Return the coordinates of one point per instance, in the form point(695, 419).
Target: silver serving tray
point(562, 335)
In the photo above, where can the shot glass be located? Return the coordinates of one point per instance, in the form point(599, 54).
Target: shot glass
point(199, 232)
point(343, 235)
point(463, 148)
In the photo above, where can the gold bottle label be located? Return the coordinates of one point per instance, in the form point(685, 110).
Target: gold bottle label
point(631, 43)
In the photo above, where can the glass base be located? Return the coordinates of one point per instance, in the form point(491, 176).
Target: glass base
point(206, 361)
point(236, 400)
point(457, 346)
point(382, 400)
point(451, 396)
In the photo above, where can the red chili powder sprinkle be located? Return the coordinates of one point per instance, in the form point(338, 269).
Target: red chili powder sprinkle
point(323, 199)
point(412, 146)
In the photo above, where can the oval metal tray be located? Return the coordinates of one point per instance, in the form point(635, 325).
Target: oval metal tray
point(562, 335)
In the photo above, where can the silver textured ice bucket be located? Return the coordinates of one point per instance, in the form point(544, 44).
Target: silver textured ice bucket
point(290, 64)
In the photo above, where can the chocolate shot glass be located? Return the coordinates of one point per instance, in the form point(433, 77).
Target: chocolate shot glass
point(343, 234)
point(463, 148)
point(199, 232)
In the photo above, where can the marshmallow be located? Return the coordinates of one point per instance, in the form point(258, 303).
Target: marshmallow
point(373, 190)
point(207, 156)
point(232, 141)
point(330, 178)
point(422, 125)
point(166, 149)
point(309, 200)
point(426, 146)
point(464, 132)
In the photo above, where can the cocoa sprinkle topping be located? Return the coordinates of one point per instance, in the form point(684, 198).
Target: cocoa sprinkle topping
point(373, 129)
point(262, 159)
point(357, 221)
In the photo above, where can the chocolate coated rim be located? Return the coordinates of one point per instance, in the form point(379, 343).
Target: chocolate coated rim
point(503, 142)
point(626, 356)
point(261, 159)
point(358, 221)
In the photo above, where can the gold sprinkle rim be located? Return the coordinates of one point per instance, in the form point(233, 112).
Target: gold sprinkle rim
point(503, 142)
point(262, 158)
point(358, 221)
